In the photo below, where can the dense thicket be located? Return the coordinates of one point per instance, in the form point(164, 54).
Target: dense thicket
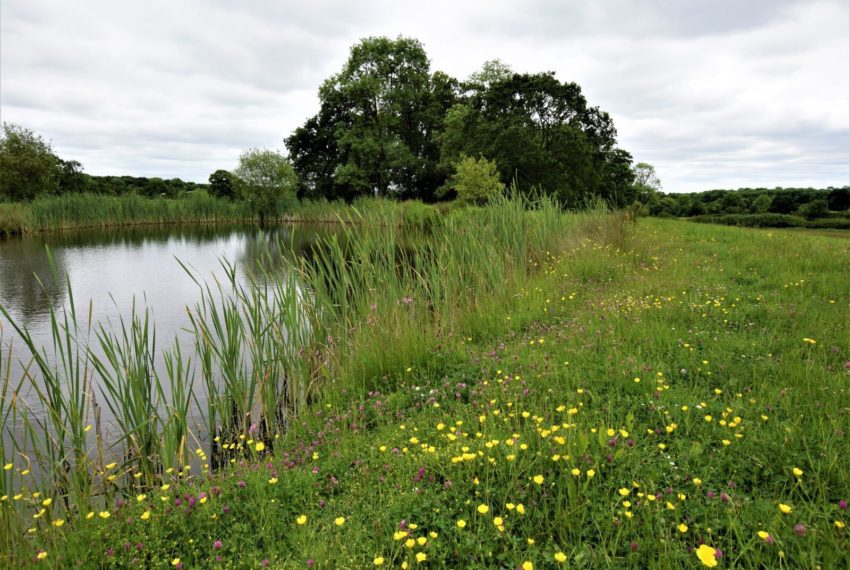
point(805, 202)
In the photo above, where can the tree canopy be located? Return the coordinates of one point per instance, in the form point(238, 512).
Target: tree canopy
point(28, 166)
point(387, 125)
point(266, 181)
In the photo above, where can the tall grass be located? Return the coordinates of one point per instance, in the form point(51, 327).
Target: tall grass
point(370, 301)
point(89, 210)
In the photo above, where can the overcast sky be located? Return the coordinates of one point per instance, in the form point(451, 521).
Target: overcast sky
point(714, 93)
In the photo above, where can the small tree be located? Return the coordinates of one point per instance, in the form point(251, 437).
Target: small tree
point(814, 209)
point(28, 166)
point(476, 180)
point(646, 183)
point(266, 181)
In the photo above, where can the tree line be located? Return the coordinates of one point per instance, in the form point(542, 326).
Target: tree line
point(29, 168)
point(805, 202)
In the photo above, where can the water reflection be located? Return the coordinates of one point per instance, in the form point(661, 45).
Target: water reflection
point(27, 281)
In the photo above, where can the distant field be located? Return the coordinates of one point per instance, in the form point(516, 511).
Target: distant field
point(679, 402)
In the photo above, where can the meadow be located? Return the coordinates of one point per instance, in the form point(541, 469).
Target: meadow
point(515, 388)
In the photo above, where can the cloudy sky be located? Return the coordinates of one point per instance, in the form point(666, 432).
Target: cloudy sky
point(714, 93)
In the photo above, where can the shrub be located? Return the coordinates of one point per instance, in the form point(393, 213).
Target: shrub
point(476, 180)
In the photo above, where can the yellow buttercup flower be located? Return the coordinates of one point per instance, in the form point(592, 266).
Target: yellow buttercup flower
point(560, 557)
point(302, 519)
point(339, 521)
point(538, 479)
point(707, 555)
point(146, 515)
point(378, 561)
point(683, 528)
point(260, 446)
point(461, 523)
point(785, 508)
point(483, 509)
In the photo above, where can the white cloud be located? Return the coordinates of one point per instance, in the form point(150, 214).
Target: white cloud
point(713, 93)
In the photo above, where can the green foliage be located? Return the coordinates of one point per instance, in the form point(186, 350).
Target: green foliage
point(769, 220)
point(814, 209)
point(646, 182)
point(377, 127)
point(387, 126)
point(761, 204)
point(222, 184)
point(476, 180)
point(267, 182)
point(28, 166)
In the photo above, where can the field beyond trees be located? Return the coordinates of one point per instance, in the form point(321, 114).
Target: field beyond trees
point(666, 397)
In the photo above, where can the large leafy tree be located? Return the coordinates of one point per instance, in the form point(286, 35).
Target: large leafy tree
point(28, 166)
point(540, 132)
point(378, 126)
point(266, 181)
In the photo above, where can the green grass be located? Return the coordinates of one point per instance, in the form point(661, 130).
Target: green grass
point(580, 372)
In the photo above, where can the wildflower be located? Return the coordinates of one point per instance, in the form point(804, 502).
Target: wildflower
point(302, 519)
point(339, 521)
point(839, 524)
point(798, 473)
point(560, 557)
point(46, 502)
point(461, 523)
point(399, 534)
point(8, 466)
point(520, 508)
point(707, 555)
point(765, 536)
point(591, 473)
point(273, 481)
point(498, 521)
point(842, 504)
point(259, 447)
point(175, 562)
point(146, 515)
point(683, 528)
point(378, 561)
point(141, 497)
point(41, 555)
point(697, 481)
point(165, 487)
point(104, 514)
point(538, 479)
point(217, 545)
point(800, 529)
point(483, 509)
point(421, 557)
point(527, 565)
point(785, 508)
point(624, 492)
point(575, 472)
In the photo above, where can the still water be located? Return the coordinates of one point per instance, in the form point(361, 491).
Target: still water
point(110, 271)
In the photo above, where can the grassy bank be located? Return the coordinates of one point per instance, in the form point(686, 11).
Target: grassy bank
point(338, 325)
point(678, 403)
